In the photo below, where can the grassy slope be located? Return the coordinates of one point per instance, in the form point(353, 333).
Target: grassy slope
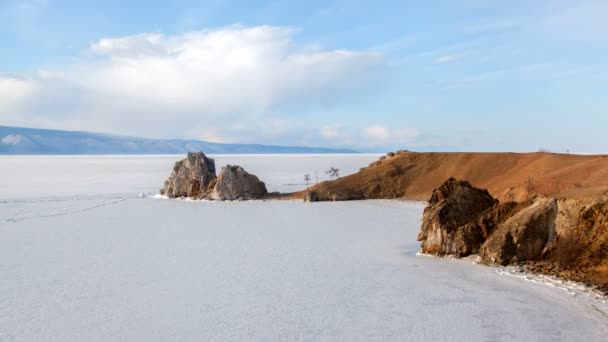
point(510, 176)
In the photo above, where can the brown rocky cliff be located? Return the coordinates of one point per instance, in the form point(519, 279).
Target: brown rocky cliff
point(565, 237)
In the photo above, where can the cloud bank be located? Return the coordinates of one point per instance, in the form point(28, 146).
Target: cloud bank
point(197, 83)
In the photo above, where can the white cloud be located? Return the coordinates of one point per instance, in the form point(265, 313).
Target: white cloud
point(13, 91)
point(377, 135)
point(583, 21)
point(369, 136)
point(329, 132)
point(157, 85)
point(447, 59)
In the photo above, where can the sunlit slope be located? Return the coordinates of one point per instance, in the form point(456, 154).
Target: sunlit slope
point(506, 175)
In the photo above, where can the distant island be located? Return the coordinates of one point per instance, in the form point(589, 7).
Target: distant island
point(20, 140)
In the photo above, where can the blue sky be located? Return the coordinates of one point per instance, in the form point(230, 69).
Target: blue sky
point(476, 75)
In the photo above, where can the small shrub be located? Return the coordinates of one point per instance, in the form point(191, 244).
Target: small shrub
point(398, 169)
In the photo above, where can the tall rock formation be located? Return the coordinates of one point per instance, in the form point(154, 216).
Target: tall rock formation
point(194, 177)
point(444, 223)
point(190, 177)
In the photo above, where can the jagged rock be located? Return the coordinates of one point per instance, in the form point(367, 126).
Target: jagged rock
point(523, 236)
point(469, 238)
point(564, 237)
point(235, 183)
point(190, 177)
point(444, 222)
point(195, 177)
point(461, 220)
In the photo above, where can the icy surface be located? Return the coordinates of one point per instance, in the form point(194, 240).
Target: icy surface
point(52, 176)
point(95, 267)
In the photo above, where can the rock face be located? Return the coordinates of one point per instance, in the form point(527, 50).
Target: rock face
point(461, 220)
point(194, 177)
point(449, 221)
point(234, 183)
point(565, 237)
point(581, 232)
point(523, 236)
point(190, 177)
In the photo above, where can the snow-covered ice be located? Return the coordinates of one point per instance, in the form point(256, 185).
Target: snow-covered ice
point(53, 176)
point(94, 261)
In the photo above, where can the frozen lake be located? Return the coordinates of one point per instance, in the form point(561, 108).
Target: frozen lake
point(82, 258)
point(53, 176)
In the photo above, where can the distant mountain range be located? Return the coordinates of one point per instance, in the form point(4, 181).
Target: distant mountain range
point(19, 140)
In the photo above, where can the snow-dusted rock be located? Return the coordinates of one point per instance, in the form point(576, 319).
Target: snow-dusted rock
point(190, 177)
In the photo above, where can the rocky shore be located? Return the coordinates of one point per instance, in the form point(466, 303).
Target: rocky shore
point(562, 237)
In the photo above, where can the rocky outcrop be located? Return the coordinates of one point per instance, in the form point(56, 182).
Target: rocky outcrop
point(449, 221)
point(461, 220)
point(473, 234)
point(190, 177)
point(194, 177)
point(565, 237)
point(234, 183)
point(524, 236)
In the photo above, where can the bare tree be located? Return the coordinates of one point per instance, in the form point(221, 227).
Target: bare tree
point(333, 172)
point(307, 180)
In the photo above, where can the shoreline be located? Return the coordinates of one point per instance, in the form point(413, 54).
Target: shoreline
point(541, 267)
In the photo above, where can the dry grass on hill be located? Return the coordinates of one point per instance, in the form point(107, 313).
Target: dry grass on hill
point(508, 176)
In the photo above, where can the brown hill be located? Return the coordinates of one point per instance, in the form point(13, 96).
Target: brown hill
point(508, 176)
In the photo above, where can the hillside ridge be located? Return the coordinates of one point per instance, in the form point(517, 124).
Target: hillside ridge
point(507, 176)
point(21, 140)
